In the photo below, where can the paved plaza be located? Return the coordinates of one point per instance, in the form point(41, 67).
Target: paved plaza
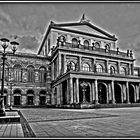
point(11, 128)
point(81, 123)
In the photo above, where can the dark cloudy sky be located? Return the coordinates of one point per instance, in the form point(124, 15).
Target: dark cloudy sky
point(27, 21)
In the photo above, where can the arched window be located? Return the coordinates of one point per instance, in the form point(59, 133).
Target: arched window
point(42, 74)
point(74, 42)
point(97, 44)
point(107, 46)
point(112, 70)
point(17, 73)
point(86, 44)
point(30, 97)
point(17, 97)
point(31, 76)
point(86, 67)
point(71, 65)
point(42, 97)
point(123, 71)
point(99, 68)
point(62, 38)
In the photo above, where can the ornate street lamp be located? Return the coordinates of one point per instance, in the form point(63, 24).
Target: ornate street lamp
point(5, 43)
point(84, 88)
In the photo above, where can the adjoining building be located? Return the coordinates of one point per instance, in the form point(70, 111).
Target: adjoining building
point(27, 80)
point(77, 63)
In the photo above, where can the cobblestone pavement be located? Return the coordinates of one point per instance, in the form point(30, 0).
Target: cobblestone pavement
point(11, 129)
point(89, 123)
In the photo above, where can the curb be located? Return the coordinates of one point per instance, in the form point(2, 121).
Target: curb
point(28, 132)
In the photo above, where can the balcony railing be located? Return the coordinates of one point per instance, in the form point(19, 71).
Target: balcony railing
point(105, 71)
point(94, 49)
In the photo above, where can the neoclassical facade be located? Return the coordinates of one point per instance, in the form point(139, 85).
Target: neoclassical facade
point(87, 67)
point(27, 80)
point(77, 63)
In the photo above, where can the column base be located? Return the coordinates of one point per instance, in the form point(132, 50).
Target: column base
point(96, 102)
point(113, 102)
point(128, 102)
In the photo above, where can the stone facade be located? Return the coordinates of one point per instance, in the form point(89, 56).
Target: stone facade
point(77, 64)
point(87, 67)
point(27, 80)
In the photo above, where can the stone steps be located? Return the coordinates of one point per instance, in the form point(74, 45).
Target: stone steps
point(10, 117)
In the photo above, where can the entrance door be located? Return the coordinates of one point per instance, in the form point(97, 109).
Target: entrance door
point(102, 96)
point(30, 100)
point(5, 100)
point(87, 94)
point(118, 97)
point(131, 94)
point(42, 100)
point(16, 100)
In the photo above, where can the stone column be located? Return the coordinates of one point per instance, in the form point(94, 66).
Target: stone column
point(96, 92)
point(132, 69)
point(61, 96)
point(93, 92)
point(127, 93)
point(23, 100)
point(106, 66)
point(113, 93)
point(8, 99)
point(74, 91)
point(71, 90)
point(64, 63)
point(52, 71)
point(77, 90)
point(93, 63)
point(107, 94)
point(110, 93)
point(135, 94)
point(68, 92)
point(118, 67)
point(59, 64)
point(80, 61)
point(129, 69)
point(122, 98)
point(58, 95)
point(36, 101)
point(138, 94)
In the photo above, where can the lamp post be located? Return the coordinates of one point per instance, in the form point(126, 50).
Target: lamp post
point(11, 84)
point(5, 43)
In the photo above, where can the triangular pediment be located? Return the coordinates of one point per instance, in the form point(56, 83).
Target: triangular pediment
point(85, 27)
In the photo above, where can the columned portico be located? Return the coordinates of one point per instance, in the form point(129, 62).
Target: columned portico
point(88, 70)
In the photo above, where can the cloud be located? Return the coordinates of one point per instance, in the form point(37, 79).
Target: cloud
point(4, 17)
point(28, 44)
